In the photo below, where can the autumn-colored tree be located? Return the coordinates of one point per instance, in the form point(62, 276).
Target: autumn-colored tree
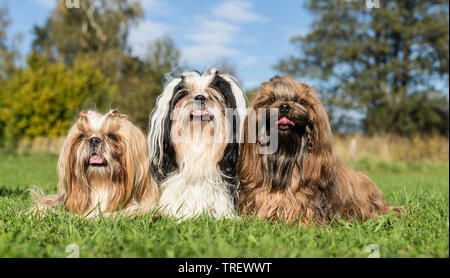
point(142, 84)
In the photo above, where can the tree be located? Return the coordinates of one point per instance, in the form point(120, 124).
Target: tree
point(44, 98)
point(7, 55)
point(97, 30)
point(145, 80)
point(388, 64)
point(225, 66)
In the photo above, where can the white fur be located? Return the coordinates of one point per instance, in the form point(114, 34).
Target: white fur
point(159, 113)
point(197, 186)
point(184, 196)
point(96, 119)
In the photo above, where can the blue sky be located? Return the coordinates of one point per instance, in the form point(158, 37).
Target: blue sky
point(251, 35)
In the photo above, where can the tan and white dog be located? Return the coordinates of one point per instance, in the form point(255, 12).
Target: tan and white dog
point(103, 167)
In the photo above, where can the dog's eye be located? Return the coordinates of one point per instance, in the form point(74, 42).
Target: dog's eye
point(80, 137)
point(302, 102)
point(113, 137)
point(179, 95)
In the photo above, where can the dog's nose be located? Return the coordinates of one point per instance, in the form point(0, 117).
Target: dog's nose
point(284, 108)
point(93, 141)
point(201, 98)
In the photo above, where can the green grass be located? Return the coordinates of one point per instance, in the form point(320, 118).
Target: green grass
point(422, 188)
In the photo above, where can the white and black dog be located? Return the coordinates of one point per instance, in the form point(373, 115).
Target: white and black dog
point(194, 144)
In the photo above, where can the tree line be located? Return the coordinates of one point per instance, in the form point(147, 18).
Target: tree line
point(379, 70)
point(387, 66)
point(80, 58)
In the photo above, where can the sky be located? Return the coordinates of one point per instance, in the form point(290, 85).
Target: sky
point(251, 35)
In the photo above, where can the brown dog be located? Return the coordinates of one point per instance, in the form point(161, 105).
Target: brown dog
point(302, 178)
point(103, 166)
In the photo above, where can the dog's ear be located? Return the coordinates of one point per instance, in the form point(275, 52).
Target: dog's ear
point(161, 150)
point(136, 177)
point(73, 188)
point(64, 167)
point(229, 159)
point(144, 190)
point(227, 165)
point(319, 130)
point(318, 163)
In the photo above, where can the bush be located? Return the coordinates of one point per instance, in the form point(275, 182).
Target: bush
point(43, 98)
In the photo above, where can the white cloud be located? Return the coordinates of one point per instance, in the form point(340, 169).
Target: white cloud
point(48, 4)
point(152, 6)
point(213, 32)
point(204, 55)
point(210, 40)
point(237, 11)
point(145, 32)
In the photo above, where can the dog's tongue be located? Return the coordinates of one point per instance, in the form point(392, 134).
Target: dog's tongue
point(199, 112)
point(96, 159)
point(285, 121)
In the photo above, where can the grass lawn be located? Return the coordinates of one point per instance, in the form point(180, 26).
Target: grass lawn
point(423, 188)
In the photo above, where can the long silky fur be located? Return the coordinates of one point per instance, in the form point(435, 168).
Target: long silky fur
point(302, 180)
point(124, 185)
point(197, 177)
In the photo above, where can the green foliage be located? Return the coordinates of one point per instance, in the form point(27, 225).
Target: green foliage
point(250, 93)
point(423, 233)
point(143, 81)
point(387, 64)
point(77, 55)
point(98, 31)
point(7, 55)
point(44, 98)
point(98, 26)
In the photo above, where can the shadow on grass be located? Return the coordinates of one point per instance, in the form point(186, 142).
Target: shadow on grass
point(8, 192)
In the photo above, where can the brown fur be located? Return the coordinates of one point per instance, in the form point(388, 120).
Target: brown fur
point(302, 179)
point(123, 183)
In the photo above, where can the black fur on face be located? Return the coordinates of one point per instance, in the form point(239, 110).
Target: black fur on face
point(169, 162)
point(229, 159)
point(287, 157)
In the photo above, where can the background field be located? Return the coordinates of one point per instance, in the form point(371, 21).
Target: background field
point(422, 187)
